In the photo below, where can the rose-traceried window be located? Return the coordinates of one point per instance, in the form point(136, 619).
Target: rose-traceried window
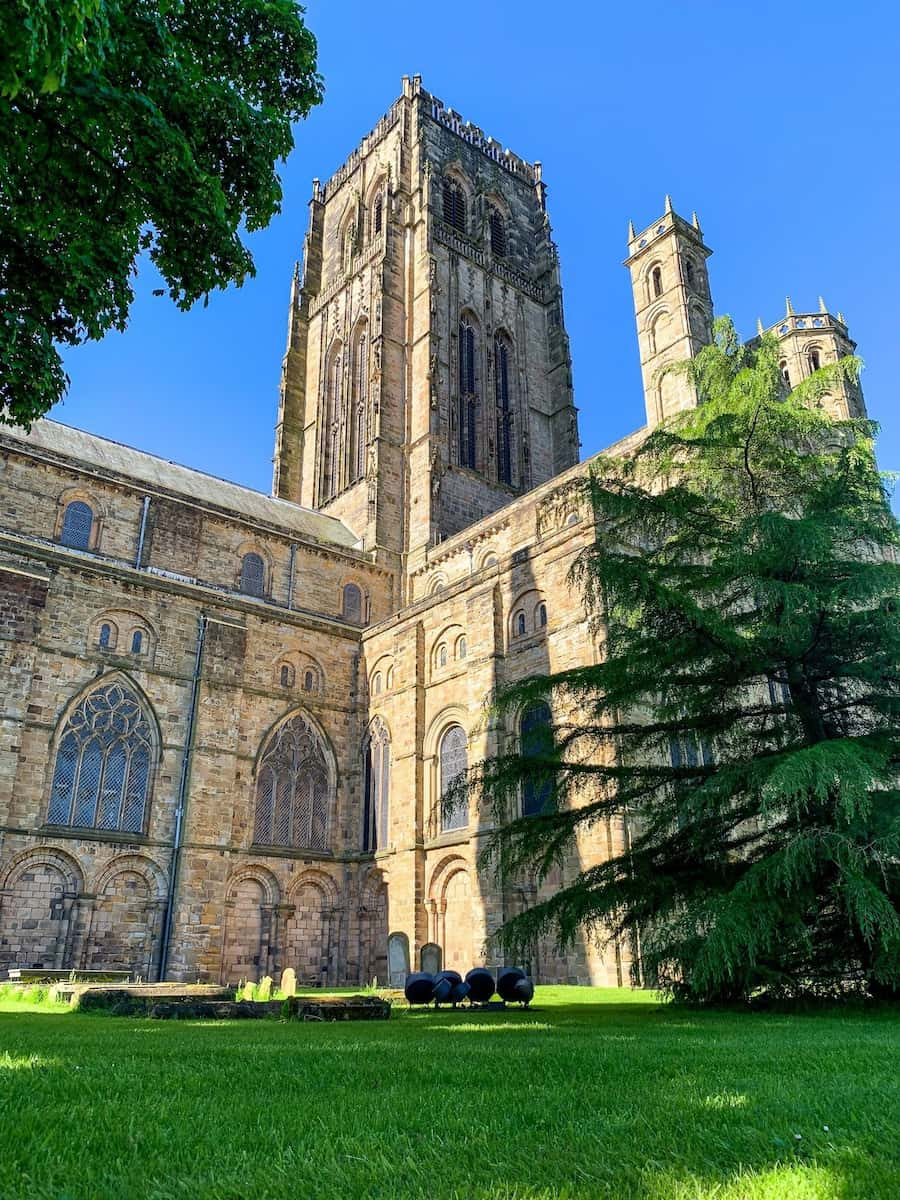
point(104, 763)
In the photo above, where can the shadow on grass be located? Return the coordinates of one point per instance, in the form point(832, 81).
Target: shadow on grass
point(573, 1102)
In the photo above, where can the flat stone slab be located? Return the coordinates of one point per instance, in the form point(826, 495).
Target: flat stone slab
point(45, 975)
point(208, 1002)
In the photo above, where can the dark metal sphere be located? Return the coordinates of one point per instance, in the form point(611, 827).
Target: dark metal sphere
point(481, 984)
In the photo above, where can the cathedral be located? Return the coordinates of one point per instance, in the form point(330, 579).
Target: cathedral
point(228, 719)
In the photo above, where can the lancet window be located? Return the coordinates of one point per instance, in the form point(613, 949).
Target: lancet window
point(502, 368)
point(453, 761)
point(536, 741)
point(468, 398)
point(359, 401)
point(377, 778)
point(332, 424)
point(454, 206)
point(104, 762)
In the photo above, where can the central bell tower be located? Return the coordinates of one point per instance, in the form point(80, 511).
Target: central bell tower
point(427, 378)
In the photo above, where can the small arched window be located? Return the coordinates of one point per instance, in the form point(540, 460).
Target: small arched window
point(352, 604)
point(454, 206)
point(813, 360)
point(461, 648)
point(519, 624)
point(490, 561)
point(442, 655)
point(502, 372)
point(498, 233)
point(376, 683)
point(785, 373)
point(656, 281)
point(536, 740)
point(349, 246)
point(252, 574)
point(309, 681)
point(378, 213)
point(137, 642)
point(689, 272)
point(105, 639)
point(541, 616)
point(453, 761)
point(78, 523)
point(286, 675)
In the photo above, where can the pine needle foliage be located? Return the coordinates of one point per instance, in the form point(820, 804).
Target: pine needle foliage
point(741, 726)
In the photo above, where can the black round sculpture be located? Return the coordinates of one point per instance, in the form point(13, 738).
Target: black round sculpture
point(419, 987)
point(441, 990)
point(523, 991)
point(481, 985)
point(507, 980)
point(459, 992)
point(453, 976)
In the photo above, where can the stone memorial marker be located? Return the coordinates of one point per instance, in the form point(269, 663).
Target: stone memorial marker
point(431, 958)
point(398, 959)
point(289, 981)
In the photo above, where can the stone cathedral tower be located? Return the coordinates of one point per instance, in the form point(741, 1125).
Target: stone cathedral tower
point(427, 379)
point(672, 305)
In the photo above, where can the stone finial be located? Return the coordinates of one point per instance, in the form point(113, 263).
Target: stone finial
point(841, 317)
point(631, 233)
point(317, 190)
point(538, 170)
point(668, 206)
point(822, 306)
point(695, 221)
point(759, 326)
point(789, 307)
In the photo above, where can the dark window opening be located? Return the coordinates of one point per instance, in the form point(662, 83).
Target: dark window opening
point(137, 642)
point(657, 281)
point(467, 395)
point(105, 637)
point(537, 744)
point(454, 206)
point(504, 412)
point(498, 234)
point(252, 575)
point(78, 522)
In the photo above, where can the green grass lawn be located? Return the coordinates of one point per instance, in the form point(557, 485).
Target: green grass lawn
point(594, 1093)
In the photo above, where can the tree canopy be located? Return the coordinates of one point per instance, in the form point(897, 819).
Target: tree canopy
point(131, 126)
point(741, 726)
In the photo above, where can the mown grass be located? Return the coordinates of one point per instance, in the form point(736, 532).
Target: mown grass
point(592, 1094)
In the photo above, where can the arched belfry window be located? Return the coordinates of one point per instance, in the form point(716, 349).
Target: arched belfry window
point(253, 574)
point(689, 273)
point(497, 227)
point(502, 373)
point(468, 397)
point(536, 741)
point(454, 206)
point(330, 432)
point(358, 406)
point(656, 281)
point(78, 523)
point(813, 359)
point(104, 763)
point(377, 778)
point(378, 213)
point(453, 761)
point(293, 794)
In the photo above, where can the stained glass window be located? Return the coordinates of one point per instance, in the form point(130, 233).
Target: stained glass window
point(102, 774)
point(292, 790)
point(453, 762)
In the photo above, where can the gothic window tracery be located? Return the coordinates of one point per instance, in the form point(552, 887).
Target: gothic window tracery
point(468, 399)
point(331, 425)
point(77, 526)
point(377, 778)
point(453, 761)
point(378, 213)
point(293, 794)
point(103, 765)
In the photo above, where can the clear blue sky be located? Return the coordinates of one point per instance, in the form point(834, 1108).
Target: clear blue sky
point(778, 123)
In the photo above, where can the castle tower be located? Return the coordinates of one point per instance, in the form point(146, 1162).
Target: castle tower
point(672, 306)
point(812, 340)
point(427, 379)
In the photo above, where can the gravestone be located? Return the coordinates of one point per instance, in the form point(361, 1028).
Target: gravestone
point(264, 988)
point(430, 958)
point(398, 959)
point(289, 981)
